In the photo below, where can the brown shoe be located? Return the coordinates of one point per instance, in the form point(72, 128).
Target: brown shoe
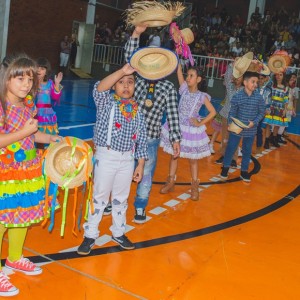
point(195, 190)
point(169, 185)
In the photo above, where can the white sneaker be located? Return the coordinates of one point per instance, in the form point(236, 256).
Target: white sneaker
point(240, 153)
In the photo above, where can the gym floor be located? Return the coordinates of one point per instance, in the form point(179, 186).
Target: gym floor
point(239, 241)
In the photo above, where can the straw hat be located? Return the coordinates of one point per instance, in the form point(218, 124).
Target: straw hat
point(186, 34)
point(153, 13)
point(279, 61)
point(242, 64)
point(259, 67)
point(236, 125)
point(69, 162)
point(154, 63)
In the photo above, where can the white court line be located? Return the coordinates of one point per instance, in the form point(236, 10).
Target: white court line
point(76, 126)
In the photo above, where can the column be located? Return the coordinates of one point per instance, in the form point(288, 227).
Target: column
point(90, 14)
point(4, 19)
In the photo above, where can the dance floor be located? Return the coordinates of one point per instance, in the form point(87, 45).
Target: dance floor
point(239, 241)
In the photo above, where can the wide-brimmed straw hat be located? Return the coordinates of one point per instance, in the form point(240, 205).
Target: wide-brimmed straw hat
point(259, 67)
point(154, 63)
point(153, 13)
point(68, 163)
point(177, 35)
point(242, 64)
point(279, 61)
point(236, 125)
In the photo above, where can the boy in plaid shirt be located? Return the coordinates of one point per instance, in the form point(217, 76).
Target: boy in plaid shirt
point(120, 136)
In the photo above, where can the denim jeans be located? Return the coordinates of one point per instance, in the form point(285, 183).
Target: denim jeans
point(232, 145)
point(144, 187)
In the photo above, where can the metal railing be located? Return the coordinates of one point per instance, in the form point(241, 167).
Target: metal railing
point(214, 67)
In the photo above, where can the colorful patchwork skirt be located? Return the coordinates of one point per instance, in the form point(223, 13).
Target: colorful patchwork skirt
point(22, 189)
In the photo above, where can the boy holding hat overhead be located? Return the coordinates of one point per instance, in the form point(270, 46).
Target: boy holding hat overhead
point(248, 107)
point(154, 97)
point(119, 136)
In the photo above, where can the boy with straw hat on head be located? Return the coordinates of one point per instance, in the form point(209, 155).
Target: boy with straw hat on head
point(247, 106)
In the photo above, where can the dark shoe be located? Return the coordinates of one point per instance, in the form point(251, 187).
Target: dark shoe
point(281, 140)
point(224, 173)
point(267, 144)
point(245, 176)
point(220, 160)
point(107, 210)
point(123, 242)
point(86, 246)
point(140, 216)
point(274, 141)
point(233, 164)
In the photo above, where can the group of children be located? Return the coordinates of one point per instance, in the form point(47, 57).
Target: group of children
point(120, 137)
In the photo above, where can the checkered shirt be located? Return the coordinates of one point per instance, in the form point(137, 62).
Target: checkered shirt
point(126, 136)
point(247, 108)
point(165, 99)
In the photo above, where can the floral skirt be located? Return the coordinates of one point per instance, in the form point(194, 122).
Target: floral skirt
point(194, 142)
point(22, 193)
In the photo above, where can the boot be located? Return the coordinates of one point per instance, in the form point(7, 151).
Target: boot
point(274, 141)
point(267, 143)
point(195, 190)
point(169, 185)
point(281, 140)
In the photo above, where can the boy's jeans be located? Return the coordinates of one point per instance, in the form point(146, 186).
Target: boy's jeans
point(144, 187)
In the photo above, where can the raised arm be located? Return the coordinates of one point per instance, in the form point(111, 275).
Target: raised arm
point(133, 42)
point(108, 82)
point(180, 75)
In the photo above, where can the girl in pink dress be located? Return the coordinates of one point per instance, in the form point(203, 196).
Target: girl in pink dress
point(22, 188)
point(48, 90)
point(195, 142)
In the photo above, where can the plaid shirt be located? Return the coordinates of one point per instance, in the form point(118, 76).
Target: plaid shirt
point(165, 99)
point(126, 136)
point(247, 108)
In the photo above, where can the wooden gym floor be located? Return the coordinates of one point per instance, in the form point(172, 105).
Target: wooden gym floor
point(239, 241)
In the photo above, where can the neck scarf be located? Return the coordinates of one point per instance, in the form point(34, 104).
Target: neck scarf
point(128, 107)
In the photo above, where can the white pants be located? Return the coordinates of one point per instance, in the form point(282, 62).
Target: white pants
point(64, 57)
point(112, 174)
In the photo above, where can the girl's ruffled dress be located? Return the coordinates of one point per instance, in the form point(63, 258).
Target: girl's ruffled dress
point(46, 116)
point(276, 115)
point(194, 141)
point(22, 185)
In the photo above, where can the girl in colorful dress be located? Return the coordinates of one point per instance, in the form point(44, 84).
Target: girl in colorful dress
point(48, 90)
point(22, 188)
point(195, 142)
point(276, 115)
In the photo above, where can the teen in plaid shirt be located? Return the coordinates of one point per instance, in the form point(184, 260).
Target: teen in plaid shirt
point(165, 99)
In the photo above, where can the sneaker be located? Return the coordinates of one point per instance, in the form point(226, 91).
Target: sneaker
point(86, 246)
point(6, 288)
point(107, 210)
point(245, 176)
point(233, 164)
point(211, 148)
point(220, 160)
point(224, 173)
point(23, 265)
point(240, 153)
point(123, 242)
point(140, 216)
